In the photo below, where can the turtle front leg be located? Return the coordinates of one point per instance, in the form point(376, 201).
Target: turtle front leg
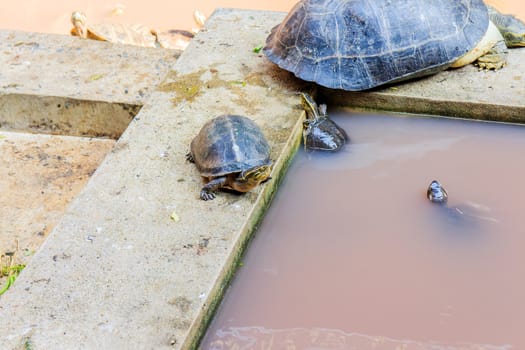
point(208, 190)
point(189, 157)
point(495, 58)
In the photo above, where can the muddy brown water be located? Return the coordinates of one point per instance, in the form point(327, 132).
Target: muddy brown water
point(352, 255)
point(54, 16)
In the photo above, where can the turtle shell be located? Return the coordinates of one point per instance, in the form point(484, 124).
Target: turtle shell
point(229, 144)
point(117, 33)
point(360, 44)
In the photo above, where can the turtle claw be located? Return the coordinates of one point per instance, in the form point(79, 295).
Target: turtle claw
point(207, 196)
point(189, 157)
point(495, 59)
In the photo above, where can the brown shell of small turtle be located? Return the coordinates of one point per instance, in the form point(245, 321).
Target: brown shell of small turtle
point(230, 151)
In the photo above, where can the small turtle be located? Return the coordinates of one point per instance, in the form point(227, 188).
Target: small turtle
point(320, 133)
point(358, 45)
point(231, 152)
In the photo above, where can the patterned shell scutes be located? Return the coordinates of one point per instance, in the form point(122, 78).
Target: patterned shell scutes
point(135, 34)
point(360, 44)
point(229, 144)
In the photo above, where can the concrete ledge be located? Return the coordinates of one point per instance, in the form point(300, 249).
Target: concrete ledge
point(61, 115)
point(463, 93)
point(117, 271)
point(65, 85)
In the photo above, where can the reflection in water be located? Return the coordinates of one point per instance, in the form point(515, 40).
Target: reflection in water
point(368, 153)
point(352, 247)
point(248, 338)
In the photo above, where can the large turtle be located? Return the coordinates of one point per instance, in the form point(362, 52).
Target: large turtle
point(360, 44)
point(230, 151)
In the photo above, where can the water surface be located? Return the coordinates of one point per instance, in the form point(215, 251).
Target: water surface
point(352, 255)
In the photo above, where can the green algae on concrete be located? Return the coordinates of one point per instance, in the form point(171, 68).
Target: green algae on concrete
point(187, 87)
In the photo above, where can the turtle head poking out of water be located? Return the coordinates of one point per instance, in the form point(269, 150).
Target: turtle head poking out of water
point(436, 193)
point(231, 152)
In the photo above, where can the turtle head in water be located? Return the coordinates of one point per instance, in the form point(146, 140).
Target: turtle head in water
point(320, 132)
point(79, 24)
point(436, 193)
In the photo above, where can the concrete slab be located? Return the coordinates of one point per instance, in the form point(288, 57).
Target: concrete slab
point(57, 84)
point(464, 93)
point(39, 176)
point(118, 271)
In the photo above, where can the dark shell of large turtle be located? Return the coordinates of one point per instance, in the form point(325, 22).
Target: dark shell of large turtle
point(360, 44)
point(229, 144)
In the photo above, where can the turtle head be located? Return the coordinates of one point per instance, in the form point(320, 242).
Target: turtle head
point(436, 193)
point(514, 39)
point(79, 24)
point(250, 178)
point(310, 107)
